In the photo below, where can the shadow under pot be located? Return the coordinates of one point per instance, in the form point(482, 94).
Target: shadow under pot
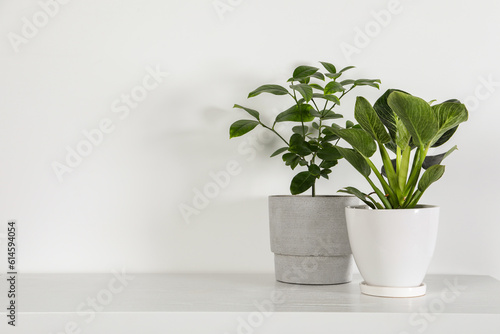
point(309, 239)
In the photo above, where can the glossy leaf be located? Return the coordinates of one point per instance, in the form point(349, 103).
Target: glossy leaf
point(347, 68)
point(369, 120)
point(356, 160)
point(347, 82)
point(416, 115)
point(296, 113)
point(359, 140)
point(333, 75)
point(302, 182)
point(316, 86)
point(314, 170)
point(329, 153)
point(331, 115)
point(291, 159)
point(358, 194)
point(318, 75)
point(252, 112)
point(332, 98)
point(271, 89)
point(239, 128)
point(431, 175)
point(333, 87)
point(329, 67)
point(299, 145)
point(432, 160)
point(299, 129)
point(304, 71)
point(304, 90)
point(449, 115)
point(279, 151)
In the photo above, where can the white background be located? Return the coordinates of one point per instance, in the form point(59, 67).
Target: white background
point(120, 207)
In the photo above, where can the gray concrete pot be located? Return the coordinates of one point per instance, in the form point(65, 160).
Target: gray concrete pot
point(309, 239)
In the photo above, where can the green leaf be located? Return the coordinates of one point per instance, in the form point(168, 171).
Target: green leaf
point(402, 135)
point(314, 170)
point(252, 112)
point(291, 159)
point(416, 115)
point(333, 75)
point(324, 173)
point(331, 115)
point(327, 164)
point(304, 90)
point(385, 113)
point(318, 75)
point(315, 125)
point(449, 116)
point(347, 68)
point(431, 175)
point(299, 146)
point(296, 113)
point(432, 160)
point(356, 160)
point(316, 86)
point(301, 182)
point(302, 72)
point(332, 98)
point(239, 128)
point(329, 153)
point(369, 120)
point(333, 87)
point(368, 82)
point(279, 151)
point(347, 82)
point(271, 89)
point(358, 194)
point(359, 140)
point(445, 137)
point(298, 129)
point(349, 124)
point(329, 67)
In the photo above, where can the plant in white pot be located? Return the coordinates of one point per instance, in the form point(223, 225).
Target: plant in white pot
point(308, 233)
point(393, 238)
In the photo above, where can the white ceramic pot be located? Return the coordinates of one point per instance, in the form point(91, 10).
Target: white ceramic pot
point(393, 248)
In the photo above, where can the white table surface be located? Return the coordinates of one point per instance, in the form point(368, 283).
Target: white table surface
point(245, 303)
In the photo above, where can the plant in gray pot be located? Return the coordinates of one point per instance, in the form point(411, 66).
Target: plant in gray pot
point(308, 233)
point(393, 238)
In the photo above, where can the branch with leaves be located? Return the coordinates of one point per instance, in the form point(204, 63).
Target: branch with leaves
point(401, 123)
point(310, 145)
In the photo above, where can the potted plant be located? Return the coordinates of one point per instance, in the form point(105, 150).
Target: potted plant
point(308, 233)
point(393, 238)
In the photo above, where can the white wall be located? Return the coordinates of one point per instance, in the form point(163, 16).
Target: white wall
point(120, 206)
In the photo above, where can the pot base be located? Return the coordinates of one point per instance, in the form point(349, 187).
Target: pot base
point(314, 270)
point(392, 292)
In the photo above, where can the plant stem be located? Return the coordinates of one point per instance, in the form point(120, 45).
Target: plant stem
point(272, 129)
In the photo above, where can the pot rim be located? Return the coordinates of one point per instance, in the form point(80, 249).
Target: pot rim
point(366, 207)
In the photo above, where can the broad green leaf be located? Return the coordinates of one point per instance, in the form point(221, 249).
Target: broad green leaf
point(318, 75)
point(369, 120)
point(314, 170)
point(271, 89)
point(347, 82)
point(385, 113)
point(331, 115)
point(329, 67)
point(315, 125)
point(304, 90)
point(332, 98)
point(299, 146)
point(333, 75)
point(296, 114)
point(239, 128)
point(359, 140)
point(327, 164)
point(299, 129)
point(431, 175)
point(252, 112)
point(324, 173)
point(402, 135)
point(316, 86)
point(416, 115)
point(333, 87)
point(432, 160)
point(368, 82)
point(302, 72)
point(291, 159)
point(356, 160)
point(445, 137)
point(329, 153)
point(349, 124)
point(358, 194)
point(347, 68)
point(449, 116)
point(279, 151)
point(301, 182)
